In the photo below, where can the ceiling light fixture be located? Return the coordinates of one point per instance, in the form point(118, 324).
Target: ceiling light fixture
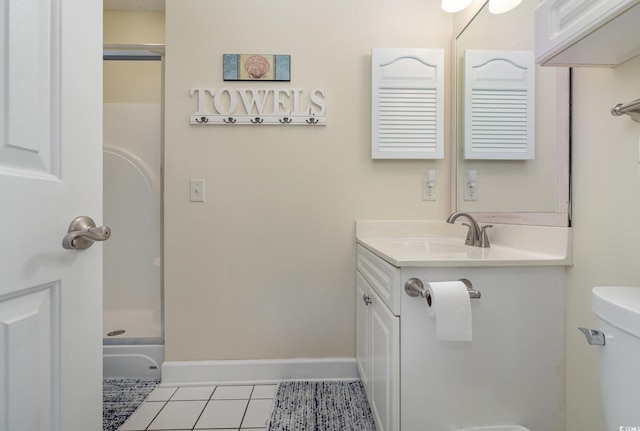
point(453, 6)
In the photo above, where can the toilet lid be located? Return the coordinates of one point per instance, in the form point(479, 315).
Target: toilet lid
point(619, 306)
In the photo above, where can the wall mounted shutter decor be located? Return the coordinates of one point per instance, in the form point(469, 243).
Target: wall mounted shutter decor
point(499, 104)
point(407, 103)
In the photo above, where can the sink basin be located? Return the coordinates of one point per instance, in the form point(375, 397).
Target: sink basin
point(402, 251)
point(430, 246)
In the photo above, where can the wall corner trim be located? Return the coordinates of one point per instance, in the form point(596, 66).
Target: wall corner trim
point(258, 371)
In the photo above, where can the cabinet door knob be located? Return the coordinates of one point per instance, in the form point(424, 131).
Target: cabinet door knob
point(366, 299)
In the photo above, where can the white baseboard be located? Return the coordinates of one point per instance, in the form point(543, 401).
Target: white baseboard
point(257, 371)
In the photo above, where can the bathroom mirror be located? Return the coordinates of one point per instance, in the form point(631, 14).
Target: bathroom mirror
point(533, 191)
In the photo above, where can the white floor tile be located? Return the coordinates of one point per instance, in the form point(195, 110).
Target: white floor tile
point(161, 394)
point(190, 393)
point(232, 393)
point(257, 414)
point(264, 391)
point(142, 417)
point(222, 414)
point(178, 415)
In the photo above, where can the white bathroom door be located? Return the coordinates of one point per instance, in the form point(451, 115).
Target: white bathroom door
point(50, 172)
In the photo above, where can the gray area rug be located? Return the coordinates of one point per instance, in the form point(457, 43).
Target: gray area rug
point(121, 397)
point(321, 406)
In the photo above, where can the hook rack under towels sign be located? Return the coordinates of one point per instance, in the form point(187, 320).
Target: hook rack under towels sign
point(449, 302)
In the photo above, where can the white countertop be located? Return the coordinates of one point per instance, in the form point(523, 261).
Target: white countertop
point(437, 243)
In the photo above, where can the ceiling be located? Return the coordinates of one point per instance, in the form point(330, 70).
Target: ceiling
point(134, 4)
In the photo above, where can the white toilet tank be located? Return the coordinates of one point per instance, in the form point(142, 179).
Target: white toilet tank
point(618, 316)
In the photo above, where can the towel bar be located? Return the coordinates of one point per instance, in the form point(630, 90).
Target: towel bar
point(632, 109)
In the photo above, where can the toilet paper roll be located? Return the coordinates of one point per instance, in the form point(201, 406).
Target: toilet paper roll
point(451, 307)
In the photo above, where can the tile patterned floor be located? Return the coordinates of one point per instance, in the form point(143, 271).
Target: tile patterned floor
point(204, 408)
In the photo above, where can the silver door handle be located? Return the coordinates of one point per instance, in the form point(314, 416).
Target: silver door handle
point(83, 232)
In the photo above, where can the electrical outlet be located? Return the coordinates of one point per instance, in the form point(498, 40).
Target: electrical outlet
point(470, 190)
point(196, 190)
point(471, 186)
point(428, 192)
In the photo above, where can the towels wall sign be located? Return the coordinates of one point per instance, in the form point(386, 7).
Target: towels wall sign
point(259, 106)
point(277, 106)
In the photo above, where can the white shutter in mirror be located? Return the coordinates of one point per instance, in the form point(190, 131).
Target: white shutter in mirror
point(499, 105)
point(407, 103)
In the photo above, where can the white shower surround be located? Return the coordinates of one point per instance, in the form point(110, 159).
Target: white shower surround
point(132, 266)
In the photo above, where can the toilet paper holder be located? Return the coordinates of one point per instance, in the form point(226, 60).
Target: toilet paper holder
point(414, 287)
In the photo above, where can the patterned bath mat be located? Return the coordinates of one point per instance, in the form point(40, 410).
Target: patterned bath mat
point(321, 406)
point(121, 397)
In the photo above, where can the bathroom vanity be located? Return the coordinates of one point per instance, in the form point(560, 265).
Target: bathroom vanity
point(511, 373)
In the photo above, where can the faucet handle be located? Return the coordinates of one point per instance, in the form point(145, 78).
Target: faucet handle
point(470, 239)
point(484, 238)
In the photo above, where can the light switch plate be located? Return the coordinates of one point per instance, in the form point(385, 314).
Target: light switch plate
point(196, 190)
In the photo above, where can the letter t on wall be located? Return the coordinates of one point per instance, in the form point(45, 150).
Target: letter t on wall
point(201, 98)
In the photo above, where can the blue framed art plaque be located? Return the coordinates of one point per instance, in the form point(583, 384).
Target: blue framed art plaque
point(256, 67)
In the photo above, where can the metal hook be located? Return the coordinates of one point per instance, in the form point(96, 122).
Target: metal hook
point(257, 120)
point(285, 120)
point(312, 120)
point(202, 120)
point(229, 120)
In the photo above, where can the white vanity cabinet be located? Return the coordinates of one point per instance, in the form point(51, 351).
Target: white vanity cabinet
point(511, 373)
point(594, 33)
point(378, 339)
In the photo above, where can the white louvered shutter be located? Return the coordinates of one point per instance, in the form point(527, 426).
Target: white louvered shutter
point(499, 95)
point(407, 103)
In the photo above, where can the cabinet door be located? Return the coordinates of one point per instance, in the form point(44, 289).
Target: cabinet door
point(407, 101)
point(586, 33)
point(384, 372)
point(362, 329)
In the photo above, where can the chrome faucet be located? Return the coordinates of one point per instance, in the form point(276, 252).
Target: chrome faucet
point(476, 235)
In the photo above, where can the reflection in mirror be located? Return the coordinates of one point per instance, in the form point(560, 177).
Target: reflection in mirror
point(516, 191)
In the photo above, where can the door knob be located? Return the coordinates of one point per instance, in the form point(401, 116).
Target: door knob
point(83, 232)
